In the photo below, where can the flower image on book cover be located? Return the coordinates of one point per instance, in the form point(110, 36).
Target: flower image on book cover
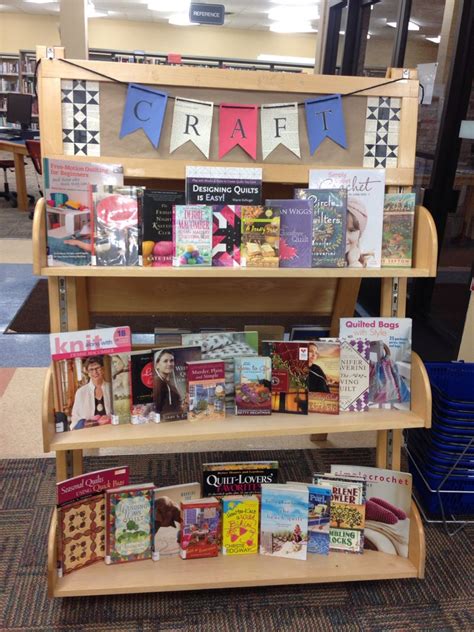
point(200, 528)
point(206, 390)
point(240, 525)
point(157, 226)
point(192, 229)
point(260, 236)
point(323, 378)
point(226, 236)
point(296, 221)
point(397, 237)
point(237, 477)
point(168, 516)
point(170, 381)
point(290, 371)
point(253, 386)
point(284, 521)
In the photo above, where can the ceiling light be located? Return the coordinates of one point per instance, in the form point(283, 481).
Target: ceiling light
point(39, 1)
point(295, 3)
point(286, 59)
point(369, 35)
point(92, 13)
point(435, 40)
point(342, 32)
point(300, 14)
point(411, 25)
point(181, 19)
point(169, 6)
point(292, 27)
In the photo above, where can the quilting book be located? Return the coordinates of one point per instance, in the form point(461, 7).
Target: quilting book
point(354, 384)
point(324, 376)
point(226, 236)
point(284, 521)
point(206, 390)
point(192, 230)
point(157, 226)
point(200, 528)
point(170, 381)
point(237, 477)
point(223, 185)
point(253, 385)
point(398, 222)
point(121, 394)
point(91, 483)
point(296, 222)
point(260, 237)
point(290, 371)
point(142, 408)
point(168, 516)
point(240, 525)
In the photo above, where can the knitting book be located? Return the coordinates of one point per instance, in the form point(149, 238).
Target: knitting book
point(206, 390)
point(142, 409)
point(91, 483)
point(296, 221)
point(397, 238)
point(200, 528)
point(223, 185)
point(290, 371)
point(260, 237)
point(354, 378)
point(234, 477)
point(365, 203)
point(192, 229)
point(121, 395)
point(253, 385)
point(168, 516)
point(226, 236)
point(324, 376)
point(240, 525)
point(157, 226)
point(284, 521)
point(170, 381)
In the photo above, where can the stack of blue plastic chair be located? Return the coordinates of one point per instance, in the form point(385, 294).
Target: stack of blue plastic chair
point(441, 459)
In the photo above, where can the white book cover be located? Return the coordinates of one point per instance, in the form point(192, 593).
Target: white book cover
point(365, 204)
point(168, 515)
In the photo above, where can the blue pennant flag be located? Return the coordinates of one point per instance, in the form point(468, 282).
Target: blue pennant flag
point(324, 117)
point(144, 109)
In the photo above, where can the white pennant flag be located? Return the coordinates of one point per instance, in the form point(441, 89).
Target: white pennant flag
point(192, 120)
point(279, 124)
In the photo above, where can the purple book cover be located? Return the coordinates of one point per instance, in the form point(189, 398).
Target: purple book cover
point(296, 218)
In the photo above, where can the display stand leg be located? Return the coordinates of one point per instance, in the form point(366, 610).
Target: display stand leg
point(61, 465)
point(77, 462)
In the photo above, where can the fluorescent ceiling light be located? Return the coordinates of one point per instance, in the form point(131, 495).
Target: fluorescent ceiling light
point(411, 25)
point(169, 6)
point(181, 19)
point(292, 27)
point(293, 14)
point(435, 40)
point(39, 1)
point(295, 3)
point(286, 59)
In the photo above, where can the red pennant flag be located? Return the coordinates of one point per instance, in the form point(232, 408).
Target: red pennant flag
point(238, 126)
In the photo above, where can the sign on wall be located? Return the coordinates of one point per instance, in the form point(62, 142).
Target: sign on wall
point(201, 13)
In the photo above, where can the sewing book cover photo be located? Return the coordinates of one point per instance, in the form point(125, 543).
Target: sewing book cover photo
point(168, 516)
point(296, 221)
point(157, 226)
point(192, 229)
point(170, 381)
point(206, 390)
point(284, 521)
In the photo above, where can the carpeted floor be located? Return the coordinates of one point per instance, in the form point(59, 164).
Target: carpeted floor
point(440, 603)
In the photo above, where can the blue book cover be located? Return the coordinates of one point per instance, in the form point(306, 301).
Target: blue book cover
point(296, 220)
point(319, 519)
point(284, 521)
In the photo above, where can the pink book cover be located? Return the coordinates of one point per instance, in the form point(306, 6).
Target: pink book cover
point(226, 236)
point(91, 483)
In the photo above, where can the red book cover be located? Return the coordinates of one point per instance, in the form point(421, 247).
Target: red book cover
point(290, 377)
point(200, 528)
point(91, 483)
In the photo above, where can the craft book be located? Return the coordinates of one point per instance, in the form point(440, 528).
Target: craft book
point(290, 370)
point(284, 521)
point(398, 222)
point(206, 390)
point(324, 376)
point(129, 519)
point(237, 477)
point(157, 226)
point(260, 237)
point(253, 385)
point(168, 516)
point(226, 236)
point(117, 225)
point(354, 384)
point(200, 528)
point(68, 207)
point(365, 202)
point(170, 381)
point(121, 395)
point(223, 185)
point(296, 222)
point(319, 510)
point(240, 525)
point(91, 483)
point(390, 358)
point(142, 408)
point(192, 230)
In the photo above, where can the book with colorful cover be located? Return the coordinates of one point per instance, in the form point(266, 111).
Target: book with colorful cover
point(200, 528)
point(142, 408)
point(121, 395)
point(253, 385)
point(129, 520)
point(226, 236)
point(324, 376)
point(284, 521)
point(328, 242)
point(223, 185)
point(296, 222)
point(192, 230)
point(91, 483)
point(240, 525)
point(354, 384)
point(237, 477)
point(117, 225)
point(68, 207)
point(206, 390)
point(168, 516)
point(157, 226)
point(170, 399)
point(397, 237)
point(365, 202)
point(319, 511)
point(82, 375)
point(260, 245)
point(290, 371)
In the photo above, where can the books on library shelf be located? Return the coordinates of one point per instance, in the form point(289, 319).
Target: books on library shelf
point(168, 516)
point(324, 376)
point(68, 207)
point(142, 408)
point(284, 521)
point(121, 393)
point(237, 477)
point(223, 185)
point(82, 375)
point(192, 230)
point(226, 236)
point(354, 378)
point(387, 510)
point(91, 483)
point(157, 226)
point(253, 385)
point(117, 225)
point(347, 515)
point(240, 525)
point(365, 200)
point(290, 371)
point(397, 236)
point(260, 245)
point(319, 509)
point(390, 358)
point(206, 390)
point(328, 242)
point(170, 381)
point(129, 523)
point(296, 223)
point(200, 527)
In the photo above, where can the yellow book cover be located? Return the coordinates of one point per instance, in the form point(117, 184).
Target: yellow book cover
point(240, 525)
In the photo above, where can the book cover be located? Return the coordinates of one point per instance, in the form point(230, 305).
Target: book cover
point(170, 381)
point(284, 521)
point(121, 394)
point(260, 245)
point(290, 372)
point(226, 236)
point(68, 207)
point(354, 384)
point(157, 226)
point(390, 358)
point(200, 528)
point(240, 525)
point(117, 225)
point(142, 408)
point(206, 390)
point(319, 510)
point(253, 385)
point(192, 229)
point(365, 201)
point(223, 185)
point(324, 376)
point(388, 507)
point(91, 483)
point(328, 242)
point(129, 520)
point(234, 477)
point(168, 515)
point(296, 222)
point(397, 237)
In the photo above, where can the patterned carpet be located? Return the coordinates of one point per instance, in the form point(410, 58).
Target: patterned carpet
point(440, 603)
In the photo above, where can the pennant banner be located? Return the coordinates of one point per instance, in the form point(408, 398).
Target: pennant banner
point(192, 120)
point(144, 109)
point(324, 117)
point(279, 124)
point(238, 126)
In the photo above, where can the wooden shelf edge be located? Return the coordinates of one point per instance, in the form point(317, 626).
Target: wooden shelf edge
point(421, 402)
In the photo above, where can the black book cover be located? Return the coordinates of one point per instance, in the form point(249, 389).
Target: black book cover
point(157, 226)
